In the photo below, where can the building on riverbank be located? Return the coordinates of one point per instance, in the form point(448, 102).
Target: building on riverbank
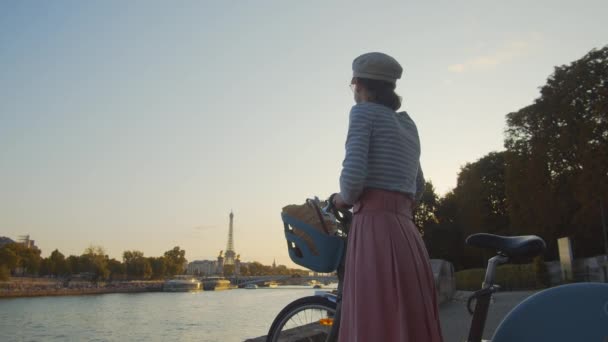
point(5, 241)
point(27, 242)
point(24, 240)
point(202, 267)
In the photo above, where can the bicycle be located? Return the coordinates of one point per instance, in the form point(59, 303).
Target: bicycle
point(545, 316)
point(316, 316)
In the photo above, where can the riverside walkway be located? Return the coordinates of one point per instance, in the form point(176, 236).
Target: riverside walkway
point(455, 319)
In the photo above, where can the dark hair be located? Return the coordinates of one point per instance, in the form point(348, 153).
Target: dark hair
point(381, 92)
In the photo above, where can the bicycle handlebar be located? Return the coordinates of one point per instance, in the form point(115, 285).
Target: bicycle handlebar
point(343, 216)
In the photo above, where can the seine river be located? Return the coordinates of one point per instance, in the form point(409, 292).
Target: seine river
point(231, 315)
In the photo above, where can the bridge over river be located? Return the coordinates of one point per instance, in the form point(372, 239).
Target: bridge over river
point(282, 279)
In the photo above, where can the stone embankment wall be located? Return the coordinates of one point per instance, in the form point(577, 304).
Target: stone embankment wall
point(594, 269)
point(32, 287)
point(445, 282)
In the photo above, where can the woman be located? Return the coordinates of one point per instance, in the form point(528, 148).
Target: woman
point(389, 291)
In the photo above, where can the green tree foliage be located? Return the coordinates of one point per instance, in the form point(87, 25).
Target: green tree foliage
point(8, 257)
point(117, 270)
point(548, 182)
point(281, 270)
point(137, 266)
point(5, 273)
point(438, 236)
point(558, 156)
point(244, 270)
point(444, 237)
point(18, 257)
point(228, 270)
point(31, 261)
point(480, 195)
point(424, 213)
point(159, 267)
point(45, 267)
point(481, 203)
point(57, 264)
point(74, 264)
point(477, 204)
point(94, 260)
point(257, 269)
point(175, 260)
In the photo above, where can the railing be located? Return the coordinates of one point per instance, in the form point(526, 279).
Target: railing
point(244, 280)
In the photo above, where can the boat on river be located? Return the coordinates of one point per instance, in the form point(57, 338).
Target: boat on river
point(215, 283)
point(182, 283)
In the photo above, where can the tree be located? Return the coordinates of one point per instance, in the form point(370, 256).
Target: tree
point(424, 214)
point(26, 259)
point(477, 204)
point(558, 156)
point(137, 266)
point(57, 263)
point(74, 264)
point(5, 273)
point(481, 201)
point(94, 260)
point(30, 260)
point(281, 270)
point(8, 257)
point(175, 260)
point(438, 235)
point(444, 239)
point(244, 270)
point(481, 195)
point(159, 267)
point(117, 270)
point(228, 270)
point(45, 267)
point(256, 269)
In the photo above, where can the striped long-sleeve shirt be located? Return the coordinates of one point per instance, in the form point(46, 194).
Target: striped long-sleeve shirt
point(382, 152)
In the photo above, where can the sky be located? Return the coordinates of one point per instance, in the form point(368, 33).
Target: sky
point(139, 125)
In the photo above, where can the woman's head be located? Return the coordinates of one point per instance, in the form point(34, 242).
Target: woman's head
point(380, 92)
point(374, 78)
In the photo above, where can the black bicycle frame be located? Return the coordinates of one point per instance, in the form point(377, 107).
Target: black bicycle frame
point(335, 328)
point(483, 297)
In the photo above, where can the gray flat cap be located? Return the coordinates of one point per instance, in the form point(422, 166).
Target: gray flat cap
point(377, 66)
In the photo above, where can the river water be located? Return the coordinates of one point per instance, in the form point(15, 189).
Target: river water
point(212, 316)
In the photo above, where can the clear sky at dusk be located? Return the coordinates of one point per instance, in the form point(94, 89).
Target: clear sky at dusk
point(141, 124)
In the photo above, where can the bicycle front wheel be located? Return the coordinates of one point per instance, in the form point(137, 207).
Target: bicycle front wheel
point(309, 317)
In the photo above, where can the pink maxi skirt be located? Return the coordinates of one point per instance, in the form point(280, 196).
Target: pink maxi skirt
point(389, 291)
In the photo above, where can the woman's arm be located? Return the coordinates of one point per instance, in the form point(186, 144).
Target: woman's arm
point(420, 184)
point(354, 166)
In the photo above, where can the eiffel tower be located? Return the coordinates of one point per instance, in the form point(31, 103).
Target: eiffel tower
point(230, 254)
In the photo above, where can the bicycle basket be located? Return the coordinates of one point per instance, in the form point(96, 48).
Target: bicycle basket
point(311, 248)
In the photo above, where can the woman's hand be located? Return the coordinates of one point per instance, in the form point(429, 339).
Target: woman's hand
point(339, 202)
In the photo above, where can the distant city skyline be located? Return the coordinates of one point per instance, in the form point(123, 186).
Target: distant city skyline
point(139, 126)
point(25, 239)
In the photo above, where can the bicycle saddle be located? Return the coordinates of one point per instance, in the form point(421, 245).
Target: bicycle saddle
point(511, 246)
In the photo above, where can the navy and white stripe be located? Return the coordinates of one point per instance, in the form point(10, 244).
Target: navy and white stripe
point(382, 152)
